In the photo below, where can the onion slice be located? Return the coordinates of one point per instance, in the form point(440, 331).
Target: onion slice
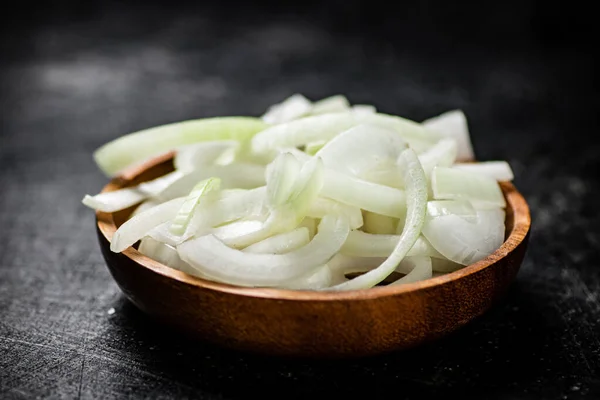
point(416, 189)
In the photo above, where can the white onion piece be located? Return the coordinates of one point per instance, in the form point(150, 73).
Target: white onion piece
point(282, 243)
point(146, 205)
point(363, 109)
point(421, 270)
point(230, 206)
point(197, 155)
point(239, 176)
point(460, 208)
point(137, 227)
point(416, 201)
point(361, 244)
point(135, 148)
point(337, 103)
point(325, 127)
point(322, 207)
point(114, 201)
point(453, 124)
point(362, 194)
point(120, 199)
point(466, 242)
point(451, 184)
point(442, 154)
point(365, 150)
point(320, 278)
point(214, 259)
point(498, 170)
point(198, 193)
point(164, 254)
point(291, 108)
point(313, 147)
point(281, 177)
point(379, 224)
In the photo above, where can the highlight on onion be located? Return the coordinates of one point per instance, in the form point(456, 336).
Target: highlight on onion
point(320, 195)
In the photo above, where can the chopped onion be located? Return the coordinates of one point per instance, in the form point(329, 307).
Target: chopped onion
point(198, 155)
point(361, 244)
point(291, 108)
point(331, 104)
point(182, 219)
point(165, 254)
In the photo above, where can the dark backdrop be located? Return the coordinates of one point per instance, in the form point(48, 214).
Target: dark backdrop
point(74, 75)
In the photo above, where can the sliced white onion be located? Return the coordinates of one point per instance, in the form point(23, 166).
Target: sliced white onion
point(281, 178)
point(137, 147)
point(363, 109)
point(442, 154)
point(362, 194)
point(453, 124)
point(361, 244)
point(333, 104)
point(291, 108)
point(325, 127)
point(137, 227)
point(197, 155)
point(379, 224)
point(322, 207)
point(365, 151)
point(466, 242)
point(420, 271)
point(214, 259)
point(164, 254)
point(282, 243)
point(184, 215)
point(239, 175)
point(320, 278)
point(451, 184)
point(114, 201)
point(498, 170)
point(460, 208)
point(416, 195)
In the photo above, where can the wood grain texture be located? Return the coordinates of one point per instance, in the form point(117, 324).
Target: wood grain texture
point(307, 323)
point(71, 81)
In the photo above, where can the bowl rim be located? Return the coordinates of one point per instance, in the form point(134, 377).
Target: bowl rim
point(521, 226)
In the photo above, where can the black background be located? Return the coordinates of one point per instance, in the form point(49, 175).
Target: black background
point(74, 75)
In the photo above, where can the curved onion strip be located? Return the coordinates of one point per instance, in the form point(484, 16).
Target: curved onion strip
point(416, 191)
point(239, 176)
point(466, 242)
point(322, 207)
point(197, 155)
point(333, 104)
point(321, 278)
point(137, 227)
point(363, 194)
point(453, 125)
point(164, 254)
point(325, 127)
point(421, 270)
point(291, 108)
point(137, 147)
point(365, 150)
point(282, 243)
point(213, 258)
point(361, 244)
point(198, 193)
point(442, 154)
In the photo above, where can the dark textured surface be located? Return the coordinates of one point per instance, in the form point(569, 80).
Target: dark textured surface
point(70, 82)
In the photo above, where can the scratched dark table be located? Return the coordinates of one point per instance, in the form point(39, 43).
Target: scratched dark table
point(75, 75)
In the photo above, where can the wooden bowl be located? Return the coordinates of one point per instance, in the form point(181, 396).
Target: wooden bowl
point(313, 324)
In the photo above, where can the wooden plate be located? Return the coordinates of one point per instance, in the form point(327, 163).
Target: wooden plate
point(313, 324)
